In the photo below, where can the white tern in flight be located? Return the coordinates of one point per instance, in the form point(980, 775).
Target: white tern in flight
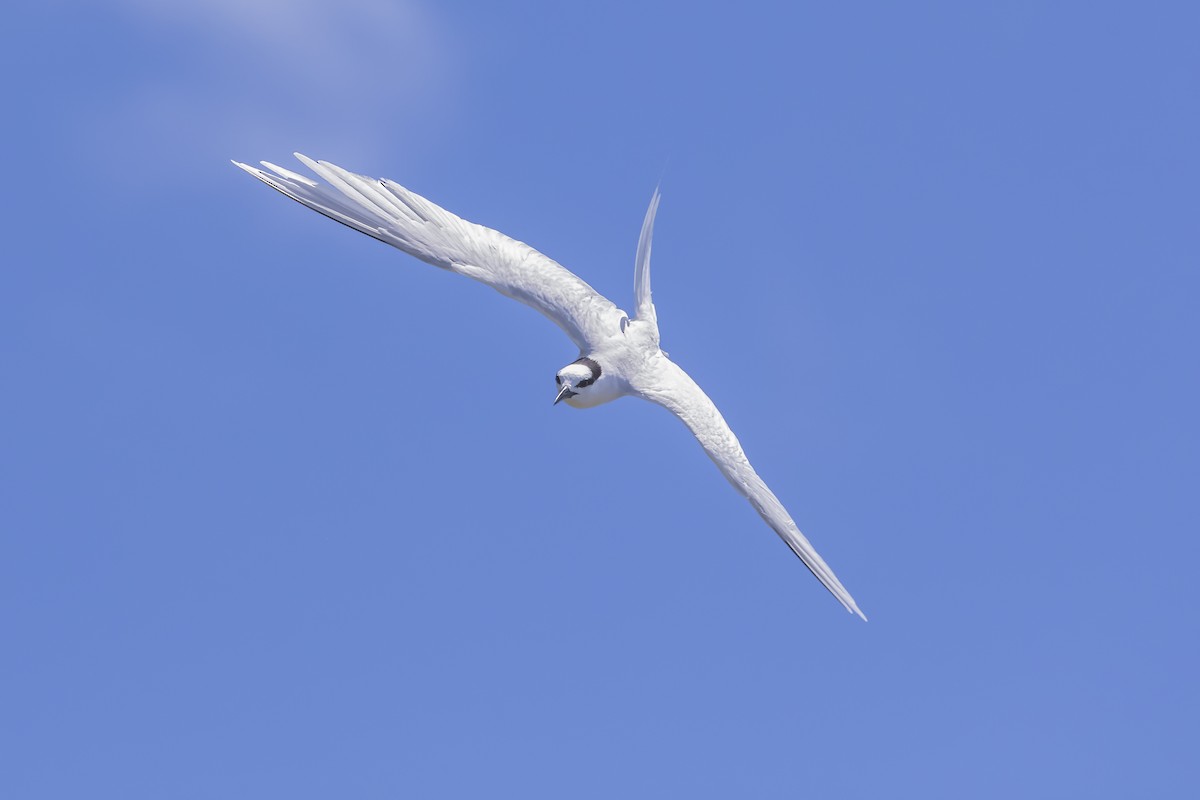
point(619, 354)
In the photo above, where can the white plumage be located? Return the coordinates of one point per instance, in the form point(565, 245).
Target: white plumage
point(618, 355)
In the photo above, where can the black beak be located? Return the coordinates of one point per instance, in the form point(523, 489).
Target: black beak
point(565, 391)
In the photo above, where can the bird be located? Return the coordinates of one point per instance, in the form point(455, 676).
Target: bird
point(619, 354)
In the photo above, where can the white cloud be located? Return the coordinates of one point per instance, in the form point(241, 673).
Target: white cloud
point(250, 80)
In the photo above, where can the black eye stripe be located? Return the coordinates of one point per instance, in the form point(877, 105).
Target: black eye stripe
point(591, 365)
point(558, 379)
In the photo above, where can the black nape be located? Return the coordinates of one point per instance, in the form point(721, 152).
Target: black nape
point(591, 365)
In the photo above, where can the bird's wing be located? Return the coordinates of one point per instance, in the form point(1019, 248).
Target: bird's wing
point(396, 216)
point(671, 387)
point(643, 307)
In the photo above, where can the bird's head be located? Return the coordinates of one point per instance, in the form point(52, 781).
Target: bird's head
point(575, 382)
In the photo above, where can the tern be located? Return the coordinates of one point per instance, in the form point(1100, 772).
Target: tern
point(619, 354)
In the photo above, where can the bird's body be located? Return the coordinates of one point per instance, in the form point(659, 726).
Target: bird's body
point(625, 360)
point(619, 354)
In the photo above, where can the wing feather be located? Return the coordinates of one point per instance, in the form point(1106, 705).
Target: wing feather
point(674, 389)
point(392, 214)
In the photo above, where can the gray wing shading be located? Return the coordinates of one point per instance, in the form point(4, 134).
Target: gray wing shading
point(674, 389)
point(394, 215)
point(643, 307)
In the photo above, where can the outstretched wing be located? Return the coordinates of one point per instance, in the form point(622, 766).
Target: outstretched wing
point(674, 389)
point(643, 307)
point(396, 216)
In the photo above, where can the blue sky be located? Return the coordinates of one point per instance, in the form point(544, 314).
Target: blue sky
point(286, 513)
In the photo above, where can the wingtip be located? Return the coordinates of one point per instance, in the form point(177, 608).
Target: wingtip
point(288, 174)
point(311, 163)
point(852, 607)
